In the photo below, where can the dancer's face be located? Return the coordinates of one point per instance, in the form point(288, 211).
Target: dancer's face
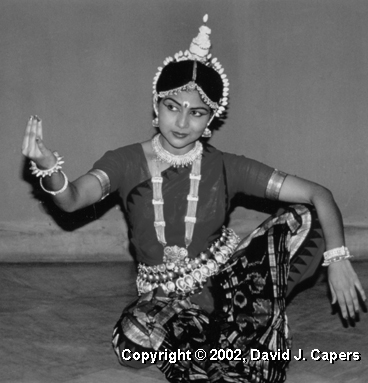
point(182, 120)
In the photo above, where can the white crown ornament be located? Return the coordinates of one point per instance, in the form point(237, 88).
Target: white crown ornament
point(199, 50)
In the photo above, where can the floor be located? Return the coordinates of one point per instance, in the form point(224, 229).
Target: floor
point(56, 321)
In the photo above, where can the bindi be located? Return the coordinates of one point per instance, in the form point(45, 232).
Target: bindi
point(186, 104)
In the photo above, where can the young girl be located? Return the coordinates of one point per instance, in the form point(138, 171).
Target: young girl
point(200, 287)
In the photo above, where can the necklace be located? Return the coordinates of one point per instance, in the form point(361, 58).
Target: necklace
point(176, 160)
point(175, 254)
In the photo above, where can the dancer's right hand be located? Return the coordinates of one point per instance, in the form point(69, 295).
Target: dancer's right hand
point(33, 146)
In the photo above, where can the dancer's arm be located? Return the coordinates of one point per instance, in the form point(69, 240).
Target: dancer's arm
point(80, 193)
point(343, 280)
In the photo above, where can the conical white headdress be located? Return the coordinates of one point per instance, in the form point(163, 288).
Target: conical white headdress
point(199, 50)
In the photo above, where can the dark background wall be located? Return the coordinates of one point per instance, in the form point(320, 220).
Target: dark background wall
point(298, 72)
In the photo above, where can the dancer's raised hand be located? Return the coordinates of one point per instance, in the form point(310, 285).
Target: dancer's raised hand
point(33, 146)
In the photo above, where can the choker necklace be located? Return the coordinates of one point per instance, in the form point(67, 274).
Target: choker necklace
point(176, 160)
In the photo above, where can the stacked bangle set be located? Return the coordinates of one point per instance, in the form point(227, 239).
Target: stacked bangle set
point(336, 255)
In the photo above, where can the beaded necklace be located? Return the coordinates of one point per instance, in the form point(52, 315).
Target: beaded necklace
point(175, 160)
point(176, 253)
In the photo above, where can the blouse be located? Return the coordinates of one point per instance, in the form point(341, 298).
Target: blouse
point(223, 175)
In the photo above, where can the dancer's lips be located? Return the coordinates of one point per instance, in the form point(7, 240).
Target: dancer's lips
point(179, 135)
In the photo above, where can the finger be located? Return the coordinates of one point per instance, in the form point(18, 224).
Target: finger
point(33, 135)
point(361, 290)
point(342, 305)
point(351, 302)
point(32, 131)
point(355, 300)
point(26, 135)
point(333, 294)
point(39, 129)
point(40, 145)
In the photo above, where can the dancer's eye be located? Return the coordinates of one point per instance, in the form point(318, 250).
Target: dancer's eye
point(172, 107)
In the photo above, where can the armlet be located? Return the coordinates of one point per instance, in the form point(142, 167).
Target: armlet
point(104, 181)
point(274, 184)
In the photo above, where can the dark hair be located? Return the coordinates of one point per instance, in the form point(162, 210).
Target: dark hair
point(178, 74)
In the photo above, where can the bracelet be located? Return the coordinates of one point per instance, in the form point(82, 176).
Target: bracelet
point(47, 172)
point(335, 252)
point(336, 255)
point(66, 182)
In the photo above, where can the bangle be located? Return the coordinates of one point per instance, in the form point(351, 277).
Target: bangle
point(336, 255)
point(47, 172)
point(335, 252)
point(66, 182)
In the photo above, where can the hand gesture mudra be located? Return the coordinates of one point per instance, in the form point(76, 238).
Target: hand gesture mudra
point(33, 146)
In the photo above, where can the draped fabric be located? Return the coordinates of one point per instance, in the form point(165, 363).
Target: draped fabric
point(249, 308)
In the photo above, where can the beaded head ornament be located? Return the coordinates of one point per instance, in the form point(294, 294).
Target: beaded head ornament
point(195, 69)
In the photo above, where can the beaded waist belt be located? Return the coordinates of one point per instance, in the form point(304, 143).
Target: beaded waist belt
point(183, 276)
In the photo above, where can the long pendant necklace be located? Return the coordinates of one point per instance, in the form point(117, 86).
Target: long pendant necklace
point(173, 254)
point(179, 274)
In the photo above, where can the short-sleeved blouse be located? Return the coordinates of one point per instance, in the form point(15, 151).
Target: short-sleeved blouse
point(222, 176)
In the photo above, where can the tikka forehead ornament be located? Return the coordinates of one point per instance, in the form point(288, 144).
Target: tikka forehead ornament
point(198, 52)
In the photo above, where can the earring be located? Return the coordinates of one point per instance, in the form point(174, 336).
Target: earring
point(155, 123)
point(207, 133)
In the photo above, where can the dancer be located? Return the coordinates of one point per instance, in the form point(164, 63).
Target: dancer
point(200, 286)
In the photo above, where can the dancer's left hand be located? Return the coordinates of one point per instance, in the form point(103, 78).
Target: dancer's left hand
point(345, 285)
